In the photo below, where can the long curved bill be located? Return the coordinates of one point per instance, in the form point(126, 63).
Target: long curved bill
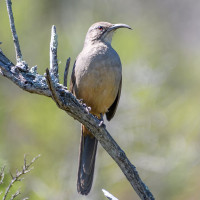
point(116, 26)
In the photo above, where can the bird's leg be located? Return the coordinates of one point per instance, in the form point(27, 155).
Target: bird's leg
point(101, 115)
point(101, 120)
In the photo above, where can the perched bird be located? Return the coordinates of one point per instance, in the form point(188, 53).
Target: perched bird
point(96, 79)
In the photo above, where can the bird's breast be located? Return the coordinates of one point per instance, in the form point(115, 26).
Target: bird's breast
point(98, 75)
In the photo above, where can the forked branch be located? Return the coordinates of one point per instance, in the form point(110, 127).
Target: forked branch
point(18, 177)
point(48, 85)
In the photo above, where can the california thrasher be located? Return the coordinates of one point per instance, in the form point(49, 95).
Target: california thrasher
point(96, 79)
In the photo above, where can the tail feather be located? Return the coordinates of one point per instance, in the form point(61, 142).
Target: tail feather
point(88, 147)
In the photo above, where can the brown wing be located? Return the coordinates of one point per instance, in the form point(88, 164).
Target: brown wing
point(111, 111)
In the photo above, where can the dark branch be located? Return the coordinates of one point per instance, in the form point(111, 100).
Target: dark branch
point(66, 71)
point(52, 88)
point(29, 80)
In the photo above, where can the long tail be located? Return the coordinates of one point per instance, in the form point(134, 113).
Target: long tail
point(88, 147)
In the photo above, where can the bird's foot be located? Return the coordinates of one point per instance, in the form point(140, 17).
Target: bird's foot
point(80, 101)
point(88, 109)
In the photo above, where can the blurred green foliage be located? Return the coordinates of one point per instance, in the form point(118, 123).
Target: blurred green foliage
point(158, 119)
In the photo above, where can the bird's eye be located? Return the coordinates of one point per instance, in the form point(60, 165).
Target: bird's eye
point(100, 28)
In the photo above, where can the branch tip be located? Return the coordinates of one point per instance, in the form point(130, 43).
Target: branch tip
point(53, 54)
point(108, 195)
point(14, 33)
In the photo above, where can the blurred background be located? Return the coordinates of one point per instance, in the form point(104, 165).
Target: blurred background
point(157, 122)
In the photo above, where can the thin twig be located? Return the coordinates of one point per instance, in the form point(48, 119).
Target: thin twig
point(25, 169)
point(66, 71)
point(2, 175)
point(15, 195)
point(108, 195)
point(13, 30)
point(51, 87)
point(53, 54)
point(32, 161)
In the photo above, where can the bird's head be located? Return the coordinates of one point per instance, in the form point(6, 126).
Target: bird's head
point(103, 31)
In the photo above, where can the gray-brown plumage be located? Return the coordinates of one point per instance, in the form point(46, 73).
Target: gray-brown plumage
point(96, 79)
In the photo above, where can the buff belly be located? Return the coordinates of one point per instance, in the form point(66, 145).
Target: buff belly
point(99, 88)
